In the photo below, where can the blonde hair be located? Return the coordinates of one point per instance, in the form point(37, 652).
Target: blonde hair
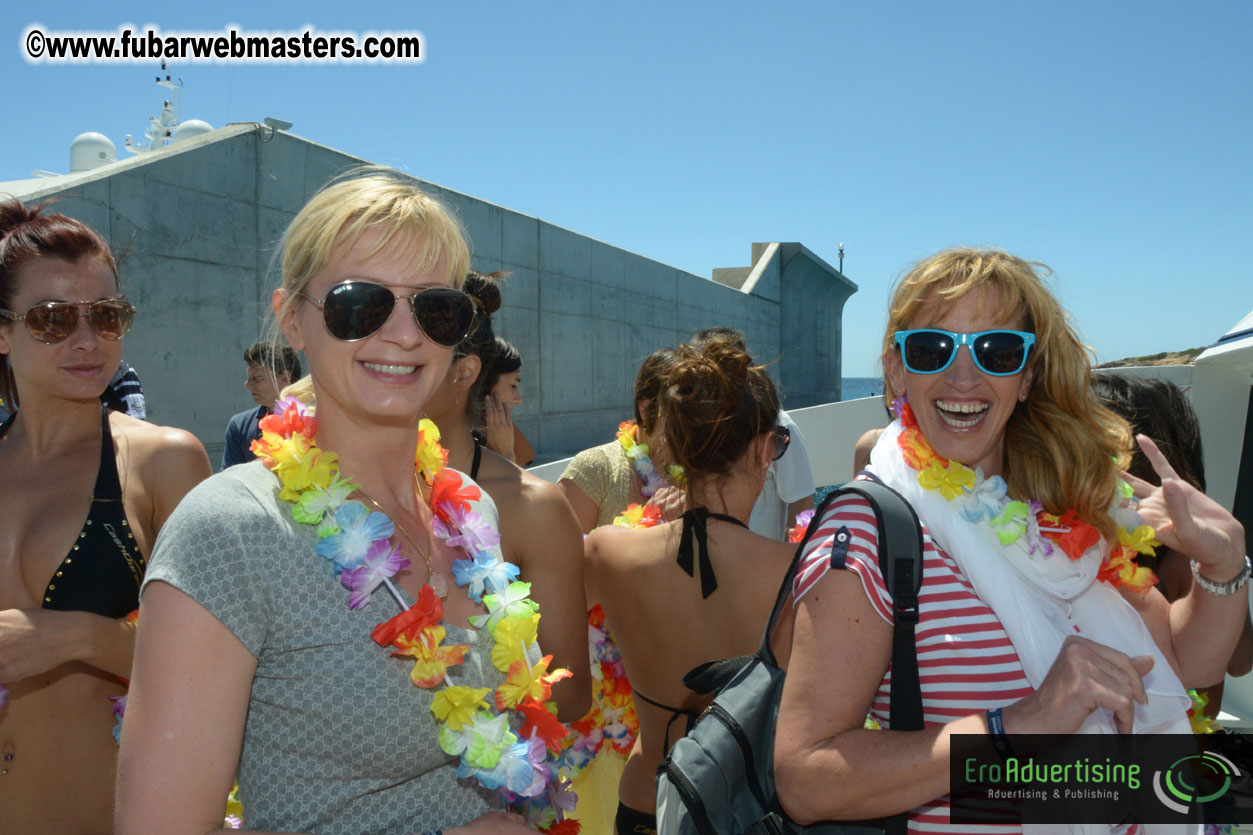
point(1062, 446)
point(365, 199)
point(302, 390)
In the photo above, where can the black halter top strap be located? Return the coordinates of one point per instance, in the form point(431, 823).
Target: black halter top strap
point(480, 441)
point(695, 531)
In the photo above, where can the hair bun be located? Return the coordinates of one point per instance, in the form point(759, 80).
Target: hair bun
point(485, 288)
point(714, 403)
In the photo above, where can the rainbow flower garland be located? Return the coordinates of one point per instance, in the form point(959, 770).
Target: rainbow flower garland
point(637, 453)
point(797, 532)
point(474, 727)
point(612, 720)
point(983, 500)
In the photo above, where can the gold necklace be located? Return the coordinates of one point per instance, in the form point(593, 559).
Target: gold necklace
point(437, 582)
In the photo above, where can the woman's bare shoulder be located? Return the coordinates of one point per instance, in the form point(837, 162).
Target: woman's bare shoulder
point(523, 492)
point(611, 547)
point(161, 447)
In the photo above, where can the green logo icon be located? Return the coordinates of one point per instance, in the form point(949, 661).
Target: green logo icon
point(1196, 778)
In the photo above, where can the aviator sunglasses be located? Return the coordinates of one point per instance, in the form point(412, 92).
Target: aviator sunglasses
point(52, 322)
point(1001, 353)
point(355, 310)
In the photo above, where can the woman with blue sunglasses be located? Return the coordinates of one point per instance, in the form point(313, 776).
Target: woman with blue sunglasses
point(1032, 618)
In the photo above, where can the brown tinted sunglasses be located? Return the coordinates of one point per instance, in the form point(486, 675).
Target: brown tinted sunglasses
point(52, 322)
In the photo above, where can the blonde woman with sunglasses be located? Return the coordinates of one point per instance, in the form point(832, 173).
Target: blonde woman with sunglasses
point(312, 619)
point(1032, 617)
point(83, 494)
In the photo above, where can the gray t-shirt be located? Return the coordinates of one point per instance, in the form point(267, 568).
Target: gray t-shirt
point(337, 739)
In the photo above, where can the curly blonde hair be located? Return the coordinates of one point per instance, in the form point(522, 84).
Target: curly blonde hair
point(1063, 447)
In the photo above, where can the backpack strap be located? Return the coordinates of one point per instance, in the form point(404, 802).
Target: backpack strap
point(785, 590)
point(900, 562)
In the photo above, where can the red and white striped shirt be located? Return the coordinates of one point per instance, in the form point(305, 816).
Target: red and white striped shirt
point(966, 663)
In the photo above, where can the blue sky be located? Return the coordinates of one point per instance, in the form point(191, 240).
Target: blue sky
point(1109, 140)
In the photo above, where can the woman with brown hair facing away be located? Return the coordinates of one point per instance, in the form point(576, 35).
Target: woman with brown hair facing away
point(539, 533)
point(84, 493)
point(718, 413)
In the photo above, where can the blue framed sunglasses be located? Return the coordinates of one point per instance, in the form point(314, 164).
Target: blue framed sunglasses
point(931, 350)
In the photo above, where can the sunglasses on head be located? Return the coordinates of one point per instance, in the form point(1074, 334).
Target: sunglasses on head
point(52, 322)
point(355, 310)
point(782, 437)
point(1001, 353)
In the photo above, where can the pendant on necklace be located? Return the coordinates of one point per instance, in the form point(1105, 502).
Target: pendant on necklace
point(438, 585)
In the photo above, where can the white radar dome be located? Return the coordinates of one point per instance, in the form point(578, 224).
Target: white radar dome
point(189, 129)
point(91, 150)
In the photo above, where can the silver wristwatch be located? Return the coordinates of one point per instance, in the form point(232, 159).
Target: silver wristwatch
point(1223, 589)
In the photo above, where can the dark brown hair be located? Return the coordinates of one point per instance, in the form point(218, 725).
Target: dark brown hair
point(277, 359)
point(732, 336)
point(1159, 409)
point(27, 234)
point(648, 384)
point(503, 358)
point(484, 289)
point(714, 404)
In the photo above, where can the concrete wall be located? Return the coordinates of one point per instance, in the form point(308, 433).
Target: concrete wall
point(198, 223)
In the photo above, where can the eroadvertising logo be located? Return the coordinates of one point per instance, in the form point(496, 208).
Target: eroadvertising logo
point(1086, 779)
point(1196, 778)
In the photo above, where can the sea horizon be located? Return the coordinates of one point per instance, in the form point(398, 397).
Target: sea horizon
point(855, 388)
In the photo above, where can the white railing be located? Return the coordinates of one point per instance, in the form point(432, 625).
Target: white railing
point(1218, 387)
point(830, 432)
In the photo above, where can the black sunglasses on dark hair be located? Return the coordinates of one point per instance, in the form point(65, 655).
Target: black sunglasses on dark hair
point(356, 310)
point(782, 437)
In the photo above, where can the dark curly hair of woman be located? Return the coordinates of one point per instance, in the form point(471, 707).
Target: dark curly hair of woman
point(714, 403)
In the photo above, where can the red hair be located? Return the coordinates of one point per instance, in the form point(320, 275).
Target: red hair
point(27, 234)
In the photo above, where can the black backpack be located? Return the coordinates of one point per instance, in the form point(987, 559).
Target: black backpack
point(719, 779)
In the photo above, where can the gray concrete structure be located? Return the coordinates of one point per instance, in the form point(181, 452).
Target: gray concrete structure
point(197, 223)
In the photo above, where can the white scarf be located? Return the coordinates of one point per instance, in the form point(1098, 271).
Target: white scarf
point(1039, 601)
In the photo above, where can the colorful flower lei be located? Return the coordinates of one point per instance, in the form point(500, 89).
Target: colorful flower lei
point(474, 723)
point(1200, 721)
point(797, 532)
point(612, 720)
point(980, 499)
point(637, 453)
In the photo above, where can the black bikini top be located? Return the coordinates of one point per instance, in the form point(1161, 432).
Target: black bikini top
point(104, 568)
point(695, 530)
